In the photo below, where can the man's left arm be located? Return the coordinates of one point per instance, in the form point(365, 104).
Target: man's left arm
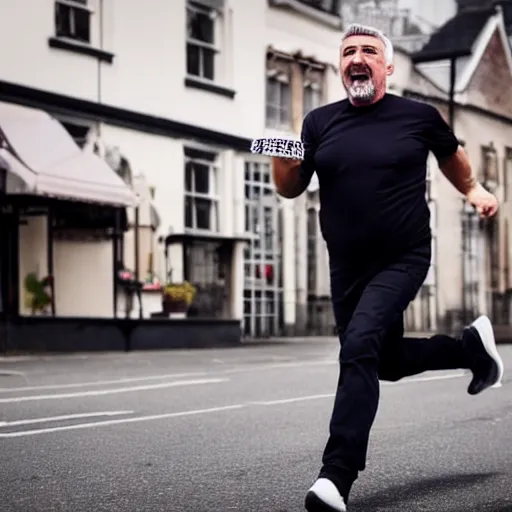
point(455, 165)
point(458, 171)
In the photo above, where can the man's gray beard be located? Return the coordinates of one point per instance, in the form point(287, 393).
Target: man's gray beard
point(364, 92)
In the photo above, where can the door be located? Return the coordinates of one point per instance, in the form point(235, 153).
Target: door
point(8, 261)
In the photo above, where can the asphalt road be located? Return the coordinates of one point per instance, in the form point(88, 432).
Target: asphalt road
point(238, 430)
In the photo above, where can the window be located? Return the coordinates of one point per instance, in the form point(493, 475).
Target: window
point(506, 255)
point(201, 199)
point(278, 97)
point(313, 82)
point(507, 175)
point(72, 20)
point(262, 256)
point(430, 180)
point(472, 255)
point(329, 6)
point(323, 11)
point(312, 97)
point(489, 171)
point(312, 253)
point(278, 103)
point(201, 49)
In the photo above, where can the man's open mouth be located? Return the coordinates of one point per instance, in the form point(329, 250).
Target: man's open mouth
point(359, 77)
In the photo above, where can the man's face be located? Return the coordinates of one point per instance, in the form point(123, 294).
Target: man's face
point(363, 68)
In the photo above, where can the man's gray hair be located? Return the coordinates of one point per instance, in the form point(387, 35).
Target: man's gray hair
point(364, 30)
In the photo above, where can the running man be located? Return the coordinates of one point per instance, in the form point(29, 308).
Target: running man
point(370, 154)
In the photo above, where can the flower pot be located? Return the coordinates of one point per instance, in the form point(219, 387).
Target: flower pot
point(173, 307)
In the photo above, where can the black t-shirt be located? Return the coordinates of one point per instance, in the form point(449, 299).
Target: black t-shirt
point(371, 167)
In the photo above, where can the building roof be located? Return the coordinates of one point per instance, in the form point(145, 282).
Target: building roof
point(465, 37)
point(456, 36)
point(459, 34)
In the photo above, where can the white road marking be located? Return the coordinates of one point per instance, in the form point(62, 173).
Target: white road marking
point(103, 382)
point(273, 366)
point(120, 421)
point(100, 392)
point(269, 366)
point(331, 395)
point(194, 412)
point(426, 379)
point(64, 418)
point(293, 400)
point(15, 359)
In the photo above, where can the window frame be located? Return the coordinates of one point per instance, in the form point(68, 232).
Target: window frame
point(279, 72)
point(316, 96)
point(507, 176)
point(313, 233)
point(213, 198)
point(74, 5)
point(203, 45)
point(489, 166)
point(262, 274)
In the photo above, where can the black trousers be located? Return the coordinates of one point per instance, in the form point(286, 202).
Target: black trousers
point(369, 309)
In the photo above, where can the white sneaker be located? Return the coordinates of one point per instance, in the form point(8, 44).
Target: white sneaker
point(487, 365)
point(323, 496)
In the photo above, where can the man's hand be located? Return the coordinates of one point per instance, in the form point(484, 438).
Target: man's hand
point(457, 169)
point(287, 178)
point(485, 203)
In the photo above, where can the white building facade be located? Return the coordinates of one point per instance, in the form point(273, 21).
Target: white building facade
point(179, 98)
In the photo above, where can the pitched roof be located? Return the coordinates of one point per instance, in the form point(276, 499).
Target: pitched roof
point(456, 36)
point(471, 44)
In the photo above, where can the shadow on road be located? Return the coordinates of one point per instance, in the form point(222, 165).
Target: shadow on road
point(415, 491)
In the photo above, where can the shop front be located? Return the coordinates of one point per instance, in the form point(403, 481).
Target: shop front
point(64, 214)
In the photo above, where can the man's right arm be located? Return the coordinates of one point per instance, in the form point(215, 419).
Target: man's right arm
point(292, 177)
point(288, 178)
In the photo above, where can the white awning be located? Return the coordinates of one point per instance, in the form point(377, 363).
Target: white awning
point(62, 169)
point(20, 179)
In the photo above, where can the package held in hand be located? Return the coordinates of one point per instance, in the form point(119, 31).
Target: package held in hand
point(278, 146)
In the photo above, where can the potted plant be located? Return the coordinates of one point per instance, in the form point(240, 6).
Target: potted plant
point(176, 299)
point(37, 299)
